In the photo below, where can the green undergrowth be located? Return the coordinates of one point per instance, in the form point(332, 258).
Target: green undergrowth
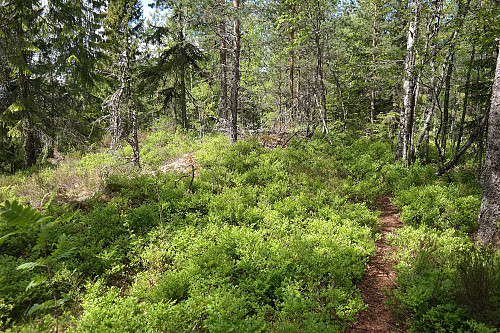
point(445, 281)
point(437, 202)
point(78, 176)
point(263, 240)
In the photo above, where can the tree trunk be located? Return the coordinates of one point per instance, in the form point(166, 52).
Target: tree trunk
point(436, 85)
point(292, 60)
point(403, 147)
point(458, 141)
point(477, 135)
point(235, 80)
point(29, 145)
point(182, 72)
point(320, 84)
point(29, 136)
point(341, 99)
point(182, 97)
point(176, 121)
point(280, 103)
point(446, 110)
point(222, 63)
point(372, 72)
point(297, 90)
point(134, 141)
point(430, 45)
point(489, 214)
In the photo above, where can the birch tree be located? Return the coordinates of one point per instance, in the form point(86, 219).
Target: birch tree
point(489, 214)
point(405, 136)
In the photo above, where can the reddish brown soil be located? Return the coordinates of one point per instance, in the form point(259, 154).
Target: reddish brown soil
point(379, 278)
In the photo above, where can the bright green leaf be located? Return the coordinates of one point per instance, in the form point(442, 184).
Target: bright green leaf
point(28, 265)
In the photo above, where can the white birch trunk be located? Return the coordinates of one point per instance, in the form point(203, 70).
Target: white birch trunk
point(489, 215)
point(406, 118)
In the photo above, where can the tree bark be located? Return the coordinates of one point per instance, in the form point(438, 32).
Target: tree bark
point(372, 72)
point(29, 135)
point(134, 141)
point(182, 97)
point(436, 85)
point(430, 45)
point(446, 109)
point(222, 62)
point(458, 141)
point(292, 59)
point(280, 103)
point(297, 89)
point(475, 136)
point(182, 77)
point(489, 214)
point(29, 145)
point(403, 147)
point(235, 80)
point(320, 84)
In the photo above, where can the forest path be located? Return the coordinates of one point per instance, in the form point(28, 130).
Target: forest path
point(379, 277)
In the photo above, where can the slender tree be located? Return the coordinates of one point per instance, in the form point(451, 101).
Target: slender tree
point(122, 27)
point(405, 136)
point(222, 59)
point(372, 71)
point(235, 74)
point(489, 214)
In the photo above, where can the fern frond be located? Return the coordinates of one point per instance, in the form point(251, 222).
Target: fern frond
point(17, 215)
point(4, 237)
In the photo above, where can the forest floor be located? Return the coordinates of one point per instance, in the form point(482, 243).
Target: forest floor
point(380, 277)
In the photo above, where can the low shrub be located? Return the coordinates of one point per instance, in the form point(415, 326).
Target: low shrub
point(437, 294)
point(477, 281)
point(322, 259)
point(439, 207)
point(265, 240)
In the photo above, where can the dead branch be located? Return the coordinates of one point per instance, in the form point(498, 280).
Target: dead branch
point(184, 176)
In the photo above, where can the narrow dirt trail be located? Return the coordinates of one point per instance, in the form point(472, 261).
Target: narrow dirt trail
point(379, 277)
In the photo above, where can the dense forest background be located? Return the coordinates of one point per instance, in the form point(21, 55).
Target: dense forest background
point(217, 166)
point(74, 70)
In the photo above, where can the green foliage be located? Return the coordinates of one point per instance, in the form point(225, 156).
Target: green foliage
point(23, 219)
point(28, 220)
point(267, 240)
point(106, 311)
point(15, 299)
point(445, 283)
point(426, 199)
point(259, 266)
point(42, 324)
point(162, 145)
point(439, 207)
point(399, 177)
point(442, 295)
point(478, 284)
point(262, 244)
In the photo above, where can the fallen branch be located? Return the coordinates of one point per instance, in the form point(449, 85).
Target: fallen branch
point(290, 138)
point(184, 176)
point(279, 140)
point(473, 137)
